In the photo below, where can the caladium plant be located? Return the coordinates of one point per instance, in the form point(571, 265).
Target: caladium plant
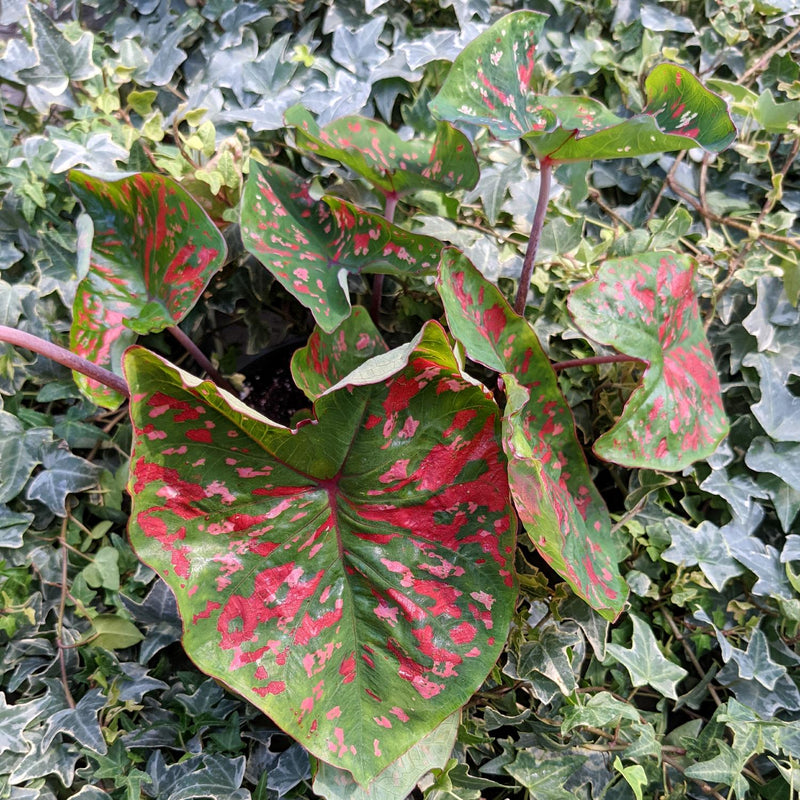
point(353, 577)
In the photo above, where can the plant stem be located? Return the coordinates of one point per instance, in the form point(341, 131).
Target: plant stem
point(65, 357)
point(377, 279)
point(584, 362)
point(545, 178)
point(201, 359)
point(61, 609)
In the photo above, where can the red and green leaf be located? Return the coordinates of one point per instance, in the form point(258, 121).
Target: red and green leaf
point(329, 357)
point(353, 577)
point(153, 254)
point(562, 511)
point(645, 306)
point(312, 246)
point(388, 162)
point(488, 84)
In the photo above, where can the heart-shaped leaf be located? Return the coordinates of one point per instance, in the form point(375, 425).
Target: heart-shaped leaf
point(330, 574)
point(391, 164)
point(153, 253)
point(645, 306)
point(562, 511)
point(488, 84)
point(329, 357)
point(311, 246)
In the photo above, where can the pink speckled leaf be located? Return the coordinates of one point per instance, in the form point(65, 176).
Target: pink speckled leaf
point(645, 306)
point(489, 81)
point(312, 246)
point(153, 253)
point(329, 357)
point(354, 577)
point(391, 164)
point(562, 511)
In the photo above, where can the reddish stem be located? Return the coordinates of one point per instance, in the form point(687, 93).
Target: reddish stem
point(65, 357)
point(545, 179)
point(585, 362)
point(377, 279)
point(197, 354)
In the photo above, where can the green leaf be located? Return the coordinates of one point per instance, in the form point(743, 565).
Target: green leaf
point(114, 632)
point(63, 474)
point(352, 578)
point(103, 570)
point(560, 507)
point(543, 774)
point(601, 710)
point(391, 164)
point(329, 357)
point(634, 775)
point(19, 454)
point(59, 61)
point(726, 767)
point(81, 722)
point(645, 306)
point(13, 721)
point(489, 82)
point(645, 663)
point(153, 254)
point(312, 246)
point(12, 526)
point(400, 777)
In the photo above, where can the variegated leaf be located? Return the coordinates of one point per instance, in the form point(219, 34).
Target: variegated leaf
point(354, 577)
point(153, 253)
point(391, 164)
point(489, 81)
point(329, 357)
point(645, 306)
point(312, 246)
point(562, 511)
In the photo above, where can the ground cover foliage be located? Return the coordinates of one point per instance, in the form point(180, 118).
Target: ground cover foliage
point(692, 691)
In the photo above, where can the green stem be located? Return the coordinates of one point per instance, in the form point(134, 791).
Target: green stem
point(377, 279)
point(545, 179)
point(197, 354)
point(585, 362)
point(65, 357)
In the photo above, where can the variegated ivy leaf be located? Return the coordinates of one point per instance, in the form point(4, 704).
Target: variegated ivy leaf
point(329, 357)
point(388, 162)
point(153, 253)
point(562, 511)
point(354, 577)
point(489, 84)
point(312, 246)
point(645, 306)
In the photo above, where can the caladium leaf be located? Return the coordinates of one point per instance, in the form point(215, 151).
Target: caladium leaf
point(645, 306)
point(329, 357)
point(311, 246)
point(488, 84)
point(560, 507)
point(354, 577)
point(391, 164)
point(153, 253)
point(400, 777)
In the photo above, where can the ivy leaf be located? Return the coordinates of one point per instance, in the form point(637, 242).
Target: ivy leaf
point(778, 407)
point(81, 722)
point(560, 507)
point(154, 252)
point(703, 546)
point(312, 246)
point(600, 710)
point(64, 473)
point(377, 153)
point(726, 767)
point(645, 663)
point(19, 454)
point(12, 526)
point(645, 306)
point(489, 84)
point(330, 574)
point(400, 777)
point(59, 61)
point(114, 632)
point(329, 357)
point(544, 777)
point(13, 721)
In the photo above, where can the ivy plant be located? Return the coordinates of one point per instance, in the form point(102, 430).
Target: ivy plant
point(355, 575)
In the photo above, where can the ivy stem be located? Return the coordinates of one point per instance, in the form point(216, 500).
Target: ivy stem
point(585, 362)
point(62, 538)
point(377, 279)
point(545, 179)
point(201, 359)
point(65, 357)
